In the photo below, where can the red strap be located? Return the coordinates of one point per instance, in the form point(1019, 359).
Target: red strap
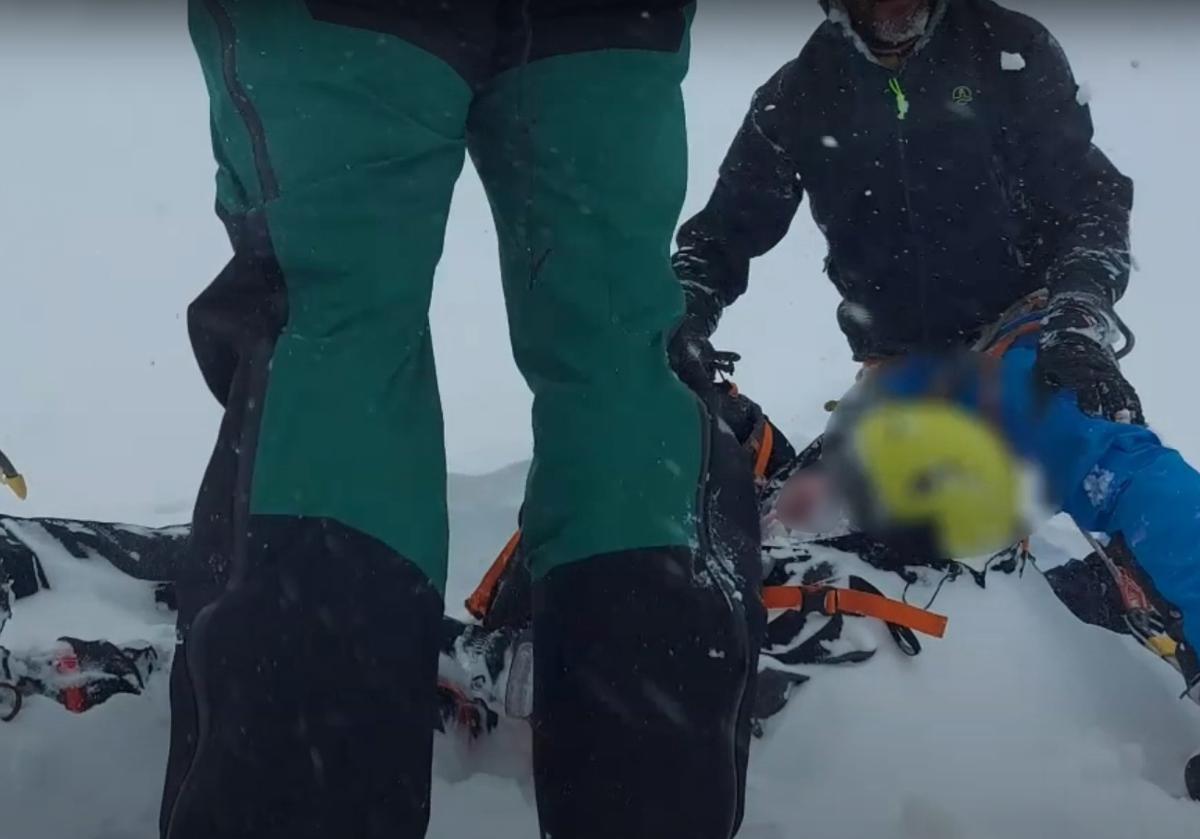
point(849, 602)
point(480, 600)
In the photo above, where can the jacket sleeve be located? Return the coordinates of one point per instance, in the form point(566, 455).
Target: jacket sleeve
point(1082, 200)
point(757, 193)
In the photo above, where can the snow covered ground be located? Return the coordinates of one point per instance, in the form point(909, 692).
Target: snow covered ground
point(1021, 722)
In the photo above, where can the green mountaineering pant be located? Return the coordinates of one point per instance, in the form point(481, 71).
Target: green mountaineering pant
point(304, 690)
point(345, 144)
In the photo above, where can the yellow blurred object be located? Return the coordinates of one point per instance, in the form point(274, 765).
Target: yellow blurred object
point(1164, 645)
point(17, 484)
point(930, 464)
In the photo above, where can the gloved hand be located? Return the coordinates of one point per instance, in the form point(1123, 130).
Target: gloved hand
point(690, 352)
point(1075, 353)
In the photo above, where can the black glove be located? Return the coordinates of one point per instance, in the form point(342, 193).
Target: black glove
point(690, 352)
point(1075, 353)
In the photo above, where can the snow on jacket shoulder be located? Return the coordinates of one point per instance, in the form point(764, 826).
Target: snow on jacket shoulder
point(947, 189)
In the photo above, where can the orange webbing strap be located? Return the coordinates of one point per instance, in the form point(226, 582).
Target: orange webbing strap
point(850, 602)
point(481, 598)
point(765, 446)
point(1002, 346)
point(783, 597)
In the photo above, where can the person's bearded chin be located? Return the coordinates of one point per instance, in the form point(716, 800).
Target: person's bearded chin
point(898, 21)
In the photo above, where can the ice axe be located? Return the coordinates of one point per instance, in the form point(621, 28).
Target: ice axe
point(11, 478)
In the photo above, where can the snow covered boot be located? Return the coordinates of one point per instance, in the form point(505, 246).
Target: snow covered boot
point(1109, 589)
point(477, 680)
point(77, 674)
point(1088, 588)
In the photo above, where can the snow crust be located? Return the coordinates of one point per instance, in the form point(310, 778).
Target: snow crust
point(1021, 722)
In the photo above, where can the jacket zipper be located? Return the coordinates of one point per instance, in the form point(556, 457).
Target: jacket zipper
point(903, 105)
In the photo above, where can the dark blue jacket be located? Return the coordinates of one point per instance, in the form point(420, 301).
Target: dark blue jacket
point(947, 189)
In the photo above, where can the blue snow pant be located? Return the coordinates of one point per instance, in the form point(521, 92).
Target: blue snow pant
point(1109, 477)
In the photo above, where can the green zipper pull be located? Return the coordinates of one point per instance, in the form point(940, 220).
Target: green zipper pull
point(901, 100)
